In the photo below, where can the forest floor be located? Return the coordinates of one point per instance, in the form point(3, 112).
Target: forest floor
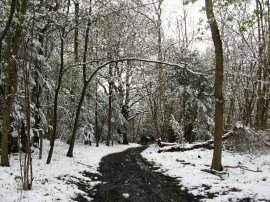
point(143, 174)
point(140, 174)
point(127, 176)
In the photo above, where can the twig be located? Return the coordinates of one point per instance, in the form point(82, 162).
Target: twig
point(214, 172)
point(244, 168)
point(84, 164)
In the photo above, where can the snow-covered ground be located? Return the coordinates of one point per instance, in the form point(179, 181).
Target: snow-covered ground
point(51, 181)
point(245, 175)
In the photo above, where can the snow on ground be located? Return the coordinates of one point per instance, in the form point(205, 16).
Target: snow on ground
point(250, 177)
point(51, 181)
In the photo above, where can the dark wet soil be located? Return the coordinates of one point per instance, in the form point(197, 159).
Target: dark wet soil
point(127, 177)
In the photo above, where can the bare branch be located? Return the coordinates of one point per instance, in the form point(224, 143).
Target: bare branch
point(181, 65)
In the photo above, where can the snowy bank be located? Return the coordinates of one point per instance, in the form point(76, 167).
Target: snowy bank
point(245, 176)
point(51, 182)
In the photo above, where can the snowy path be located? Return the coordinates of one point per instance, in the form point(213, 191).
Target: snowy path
point(126, 176)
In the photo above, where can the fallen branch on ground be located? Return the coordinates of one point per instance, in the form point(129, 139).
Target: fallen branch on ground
point(207, 145)
point(244, 168)
point(214, 172)
point(164, 144)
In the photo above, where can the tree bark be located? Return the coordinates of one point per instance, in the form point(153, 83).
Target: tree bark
point(55, 102)
point(85, 86)
point(28, 173)
point(76, 122)
point(7, 26)
point(109, 135)
point(76, 32)
point(125, 107)
point(219, 102)
point(57, 90)
point(259, 72)
point(13, 43)
point(97, 134)
point(207, 144)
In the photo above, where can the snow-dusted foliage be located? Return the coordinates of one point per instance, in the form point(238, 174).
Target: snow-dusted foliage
point(179, 130)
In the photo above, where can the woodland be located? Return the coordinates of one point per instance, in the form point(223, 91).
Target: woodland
point(118, 71)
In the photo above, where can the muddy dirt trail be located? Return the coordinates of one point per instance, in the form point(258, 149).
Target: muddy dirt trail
point(127, 177)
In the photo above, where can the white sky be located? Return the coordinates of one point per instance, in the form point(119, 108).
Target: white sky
point(173, 9)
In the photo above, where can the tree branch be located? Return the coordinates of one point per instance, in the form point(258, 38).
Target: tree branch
point(181, 65)
point(12, 11)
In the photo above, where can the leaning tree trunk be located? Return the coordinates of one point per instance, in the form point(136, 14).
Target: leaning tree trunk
point(85, 86)
point(76, 122)
point(216, 161)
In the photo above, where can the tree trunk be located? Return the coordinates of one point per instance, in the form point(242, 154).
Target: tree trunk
point(125, 107)
point(162, 100)
point(260, 99)
point(55, 103)
point(7, 26)
point(11, 80)
point(96, 116)
point(109, 135)
point(76, 122)
point(76, 32)
point(230, 114)
point(85, 86)
point(219, 102)
point(27, 174)
point(266, 62)
point(57, 90)
point(37, 91)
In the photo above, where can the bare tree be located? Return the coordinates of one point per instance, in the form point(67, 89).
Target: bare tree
point(27, 166)
point(57, 90)
point(85, 85)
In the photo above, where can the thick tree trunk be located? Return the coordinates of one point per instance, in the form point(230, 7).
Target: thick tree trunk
point(266, 62)
point(261, 67)
point(219, 102)
point(11, 77)
point(7, 26)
